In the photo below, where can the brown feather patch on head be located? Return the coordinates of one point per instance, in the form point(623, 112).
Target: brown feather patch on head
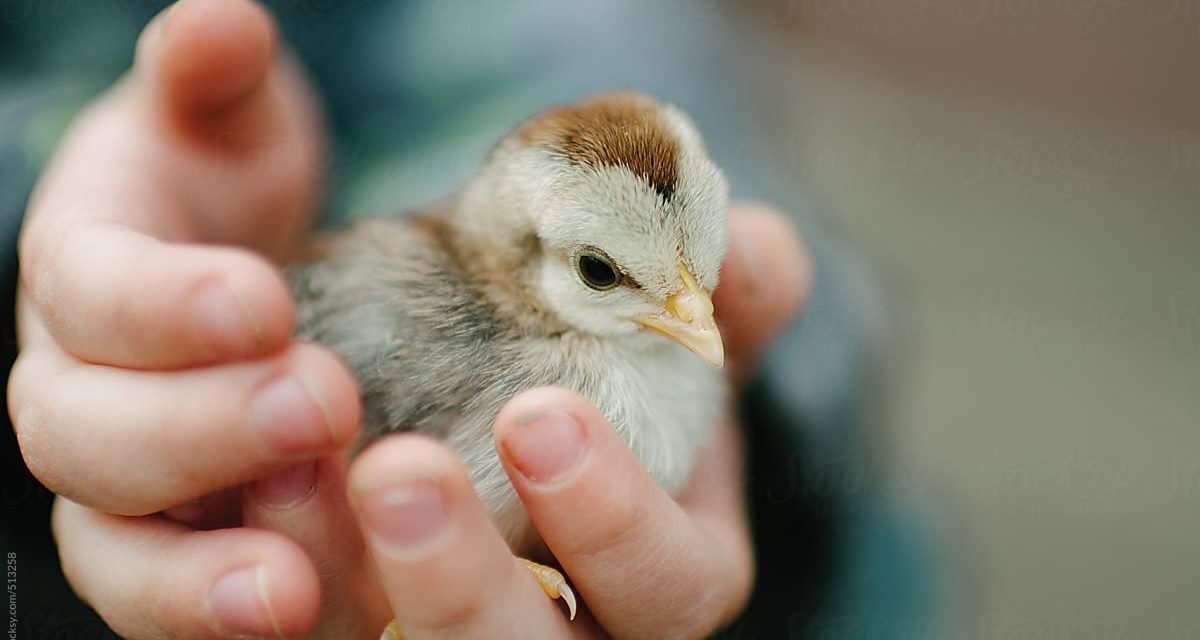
point(623, 129)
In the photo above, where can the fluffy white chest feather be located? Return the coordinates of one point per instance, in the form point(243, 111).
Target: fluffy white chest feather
point(663, 401)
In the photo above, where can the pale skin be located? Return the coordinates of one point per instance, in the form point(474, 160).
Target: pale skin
point(159, 222)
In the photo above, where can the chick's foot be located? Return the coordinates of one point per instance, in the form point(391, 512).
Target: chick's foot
point(553, 583)
point(551, 580)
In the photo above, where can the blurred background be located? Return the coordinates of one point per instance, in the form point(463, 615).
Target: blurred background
point(1004, 200)
point(1025, 175)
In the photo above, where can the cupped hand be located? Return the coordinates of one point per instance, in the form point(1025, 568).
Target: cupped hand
point(643, 564)
point(155, 361)
point(156, 365)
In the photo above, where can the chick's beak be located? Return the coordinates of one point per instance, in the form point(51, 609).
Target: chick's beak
point(687, 318)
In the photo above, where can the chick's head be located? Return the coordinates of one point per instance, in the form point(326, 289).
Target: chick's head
point(629, 217)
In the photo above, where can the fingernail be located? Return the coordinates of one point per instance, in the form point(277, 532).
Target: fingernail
point(286, 488)
point(239, 602)
point(547, 446)
point(290, 418)
point(405, 515)
point(222, 321)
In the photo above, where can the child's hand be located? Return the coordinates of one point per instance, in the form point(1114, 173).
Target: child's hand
point(156, 365)
point(644, 565)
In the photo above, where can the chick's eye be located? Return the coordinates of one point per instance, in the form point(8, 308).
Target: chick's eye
point(598, 272)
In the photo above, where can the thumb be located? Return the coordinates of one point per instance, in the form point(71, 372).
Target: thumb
point(201, 58)
point(766, 278)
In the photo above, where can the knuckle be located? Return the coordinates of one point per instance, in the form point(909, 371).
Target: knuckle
point(43, 417)
point(66, 525)
point(32, 421)
point(711, 596)
point(75, 531)
point(692, 609)
point(704, 613)
point(453, 618)
point(43, 248)
point(32, 253)
point(49, 268)
point(615, 534)
point(20, 383)
point(737, 591)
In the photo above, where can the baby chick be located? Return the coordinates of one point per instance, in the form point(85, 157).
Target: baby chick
point(582, 254)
